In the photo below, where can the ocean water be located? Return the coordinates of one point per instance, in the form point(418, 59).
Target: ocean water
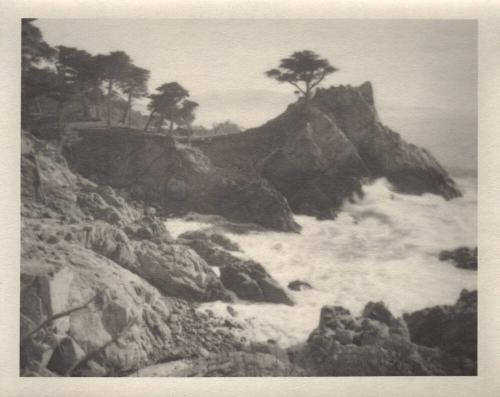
point(382, 247)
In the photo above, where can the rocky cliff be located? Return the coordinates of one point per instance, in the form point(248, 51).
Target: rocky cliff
point(320, 156)
point(175, 178)
point(105, 290)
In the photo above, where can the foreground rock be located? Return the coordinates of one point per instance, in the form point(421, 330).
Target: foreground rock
point(298, 285)
point(175, 178)
point(464, 257)
point(104, 290)
point(378, 344)
point(451, 328)
point(320, 157)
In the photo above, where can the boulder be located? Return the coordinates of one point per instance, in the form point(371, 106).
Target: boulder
point(250, 281)
point(298, 285)
point(178, 271)
point(451, 328)
point(246, 278)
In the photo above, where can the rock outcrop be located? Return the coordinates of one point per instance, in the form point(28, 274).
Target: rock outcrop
point(378, 344)
point(104, 289)
point(464, 257)
point(319, 157)
point(174, 178)
point(451, 328)
point(248, 279)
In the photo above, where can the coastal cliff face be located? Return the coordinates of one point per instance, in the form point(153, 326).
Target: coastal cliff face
point(320, 156)
point(175, 178)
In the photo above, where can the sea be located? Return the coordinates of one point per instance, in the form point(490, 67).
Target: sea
point(383, 247)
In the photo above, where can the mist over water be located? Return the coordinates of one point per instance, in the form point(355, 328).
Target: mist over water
point(382, 247)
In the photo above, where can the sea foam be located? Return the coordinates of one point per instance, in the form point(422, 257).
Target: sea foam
point(383, 247)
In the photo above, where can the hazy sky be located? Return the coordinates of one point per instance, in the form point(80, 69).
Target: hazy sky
point(424, 72)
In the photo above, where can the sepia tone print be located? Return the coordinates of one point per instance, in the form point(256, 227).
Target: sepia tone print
point(224, 198)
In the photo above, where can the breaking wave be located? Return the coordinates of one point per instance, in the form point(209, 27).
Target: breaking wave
point(382, 247)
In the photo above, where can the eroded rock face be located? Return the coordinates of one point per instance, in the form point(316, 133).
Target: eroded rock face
point(175, 178)
point(410, 169)
point(132, 287)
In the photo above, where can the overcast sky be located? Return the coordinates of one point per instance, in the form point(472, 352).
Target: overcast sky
point(424, 72)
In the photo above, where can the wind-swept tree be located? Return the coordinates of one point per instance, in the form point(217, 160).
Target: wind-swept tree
point(167, 104)
point(186, 116)
point(115, 67)
point(304, 70)
point(37, 79)
point(77, 67)
point(34, 49)
point(134, 86)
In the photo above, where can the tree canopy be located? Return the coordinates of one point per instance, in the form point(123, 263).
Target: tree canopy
point(169, 103)
point(304, 70)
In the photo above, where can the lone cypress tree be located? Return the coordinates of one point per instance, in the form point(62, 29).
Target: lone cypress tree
point(304, 70)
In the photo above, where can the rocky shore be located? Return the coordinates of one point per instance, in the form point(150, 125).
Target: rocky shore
point(107, 291)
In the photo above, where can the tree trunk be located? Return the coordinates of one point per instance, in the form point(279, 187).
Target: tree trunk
point(171, 127)
point(149, 120)
point(160, 123)
point(97, 101)
point(308, 94)
point(108, 103)
point(83, 101)
point(59, 114)
point(85, 107)
point(126, 113)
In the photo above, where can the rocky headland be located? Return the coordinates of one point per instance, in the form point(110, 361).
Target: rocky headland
point(107, 291)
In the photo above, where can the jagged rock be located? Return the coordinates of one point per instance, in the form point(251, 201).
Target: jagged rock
point(178, 271)
point(247, 278)
point(377, 343)
point(65, 356)
point(319, 157)
point(176, 178)
point(451, 328)
point(464, 257)
point(410, 169)
point(298, 285)
point(250, 281)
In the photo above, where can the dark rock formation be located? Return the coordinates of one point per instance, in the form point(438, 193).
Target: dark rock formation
point(298, 285)
point(319, 157)
point(246, 278)
point(175, 178)
point(464, 257)
point(250, 281)
point(377, 343)
point(451, 328)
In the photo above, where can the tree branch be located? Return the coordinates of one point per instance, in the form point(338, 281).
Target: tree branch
point(319, 81)
point(297, 86)
point(55, 317)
